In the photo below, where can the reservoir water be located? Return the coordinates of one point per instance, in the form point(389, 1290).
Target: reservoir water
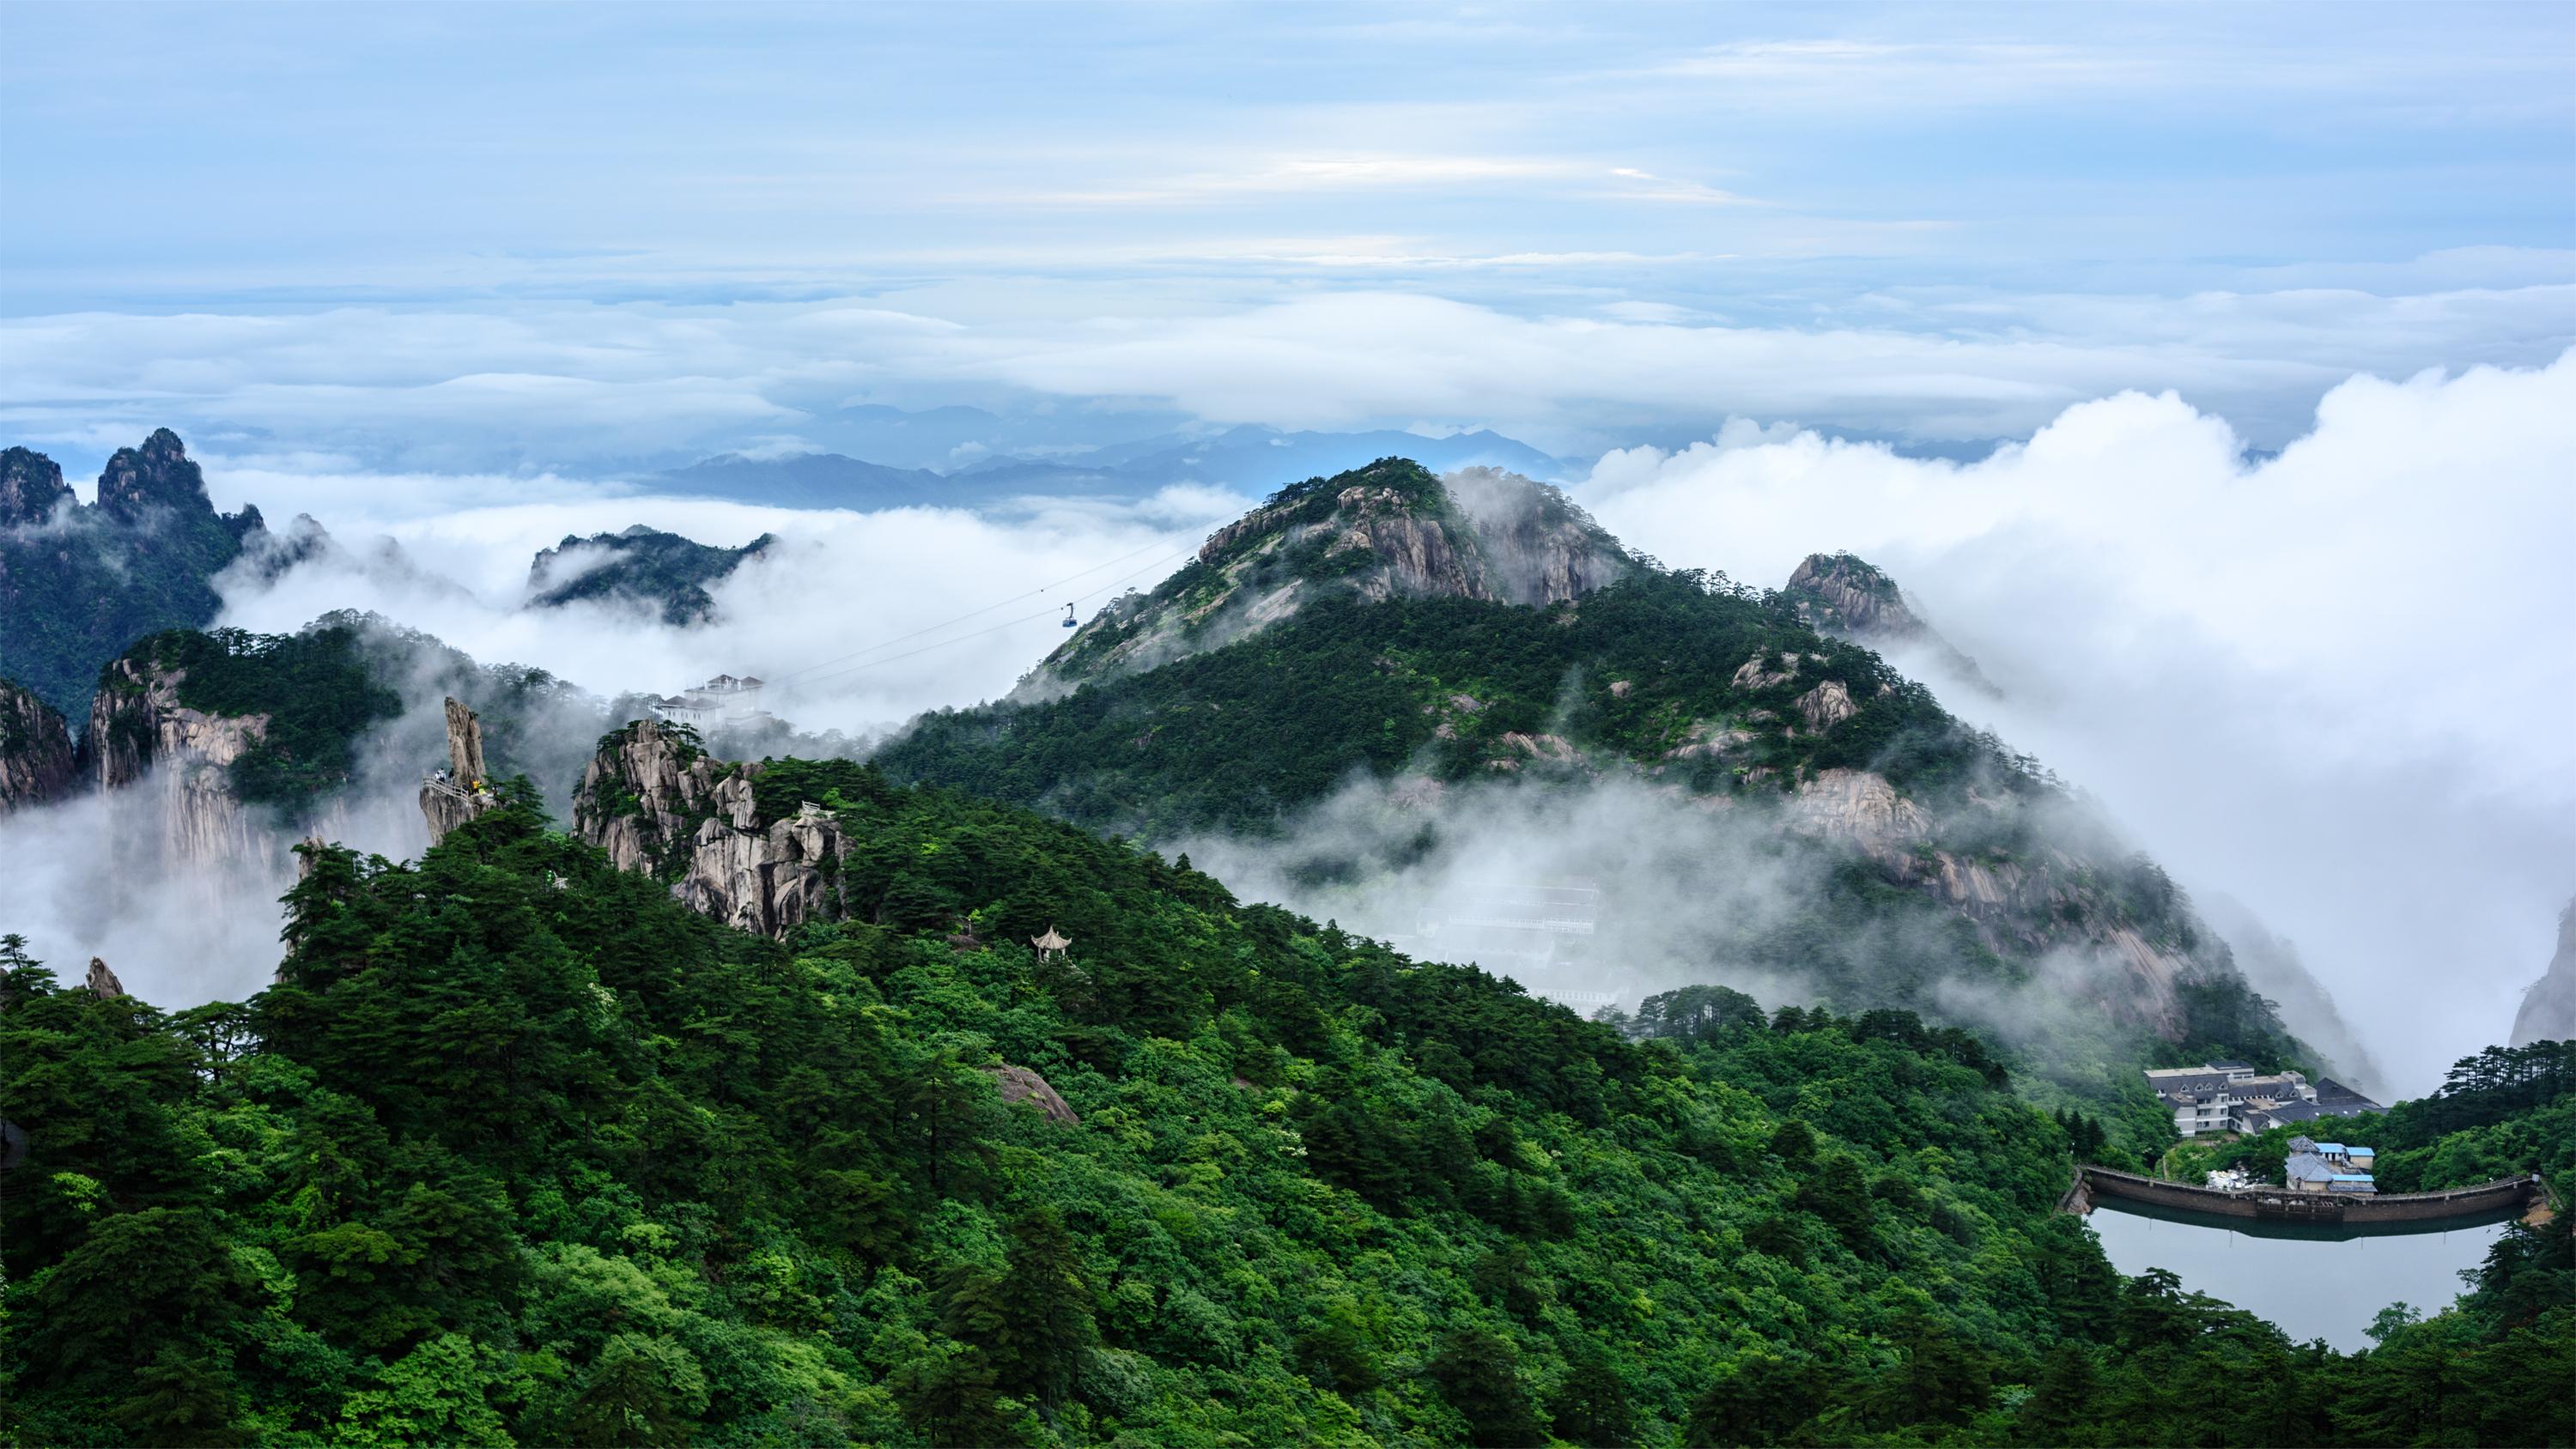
point(2313, 1283)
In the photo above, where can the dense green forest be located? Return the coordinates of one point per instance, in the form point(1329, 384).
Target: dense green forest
point(80, 582)
point(518, 1149)
point(643, 565)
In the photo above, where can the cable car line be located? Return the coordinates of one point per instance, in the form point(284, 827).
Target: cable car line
point(1046, 612)
point(962, 618)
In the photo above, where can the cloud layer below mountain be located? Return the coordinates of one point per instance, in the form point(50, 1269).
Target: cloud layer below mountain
point(858, 620)
point(2333, 683)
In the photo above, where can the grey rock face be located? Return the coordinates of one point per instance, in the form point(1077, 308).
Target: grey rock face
point(1853, 599)
point(139, 734)
point(31, 486)
point(36, 760)
point(466, 791)
point(2549, 1009)
point(658, 804)
point(101, 981)
point(1019, 1084)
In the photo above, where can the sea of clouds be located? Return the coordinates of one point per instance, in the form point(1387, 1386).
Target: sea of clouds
point(2333, 684)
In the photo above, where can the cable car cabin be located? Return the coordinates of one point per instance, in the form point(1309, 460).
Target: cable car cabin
point(1068, 616)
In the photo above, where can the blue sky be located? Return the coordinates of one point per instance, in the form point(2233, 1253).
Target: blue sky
point(594, 236)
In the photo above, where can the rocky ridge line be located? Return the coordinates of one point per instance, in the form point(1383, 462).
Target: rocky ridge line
point(1387, 531)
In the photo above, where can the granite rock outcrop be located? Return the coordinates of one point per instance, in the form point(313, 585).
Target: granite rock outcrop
point(181, 759)
point(659, 804)
point(1391, 530)
point(37, 762)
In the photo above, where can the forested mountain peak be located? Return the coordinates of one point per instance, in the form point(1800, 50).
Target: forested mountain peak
point(31, 486)
point(1389, 530)
point(79, 583)
point(665, 571)
point(1904, 859)
point(160, 474)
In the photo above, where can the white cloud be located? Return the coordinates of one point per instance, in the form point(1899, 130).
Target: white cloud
point(579, 386)
point(858, 620)
point(2334, 684)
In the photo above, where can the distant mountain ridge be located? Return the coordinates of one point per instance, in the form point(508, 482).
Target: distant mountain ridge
point(1245, 459)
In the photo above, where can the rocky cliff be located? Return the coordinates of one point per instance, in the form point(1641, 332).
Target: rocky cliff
point(2046, 894)
point(658, 803)
point(36, 759)
point(2549, 1008)
point(140, 735)
point(1853, 599)
point(1390, 530)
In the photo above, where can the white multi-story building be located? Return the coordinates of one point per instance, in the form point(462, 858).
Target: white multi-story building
point(723, 700)
point(2233, 1097)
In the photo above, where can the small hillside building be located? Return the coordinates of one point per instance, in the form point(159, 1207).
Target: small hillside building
point(723, 700)
point(2327, 1167)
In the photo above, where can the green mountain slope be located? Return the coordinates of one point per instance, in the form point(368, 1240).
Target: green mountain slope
point(79, 582)
point(1911, 855)
point(521, 1150)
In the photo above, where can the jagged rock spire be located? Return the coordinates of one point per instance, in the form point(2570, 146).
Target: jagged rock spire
point(465, 790)
point(101, 981)
point(464, 743)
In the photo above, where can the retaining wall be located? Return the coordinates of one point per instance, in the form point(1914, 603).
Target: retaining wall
point(2281, 1205)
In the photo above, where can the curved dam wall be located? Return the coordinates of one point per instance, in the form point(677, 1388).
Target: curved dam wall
point(2503, 1197)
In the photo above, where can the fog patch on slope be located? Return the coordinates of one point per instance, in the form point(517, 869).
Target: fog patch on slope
point(1692, 891)
point(2333, 684)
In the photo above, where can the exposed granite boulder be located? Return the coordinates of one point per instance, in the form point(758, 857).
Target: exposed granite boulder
point(100, 981)
point(1019, 1084)
point(1826, 705)
point(37, 764)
